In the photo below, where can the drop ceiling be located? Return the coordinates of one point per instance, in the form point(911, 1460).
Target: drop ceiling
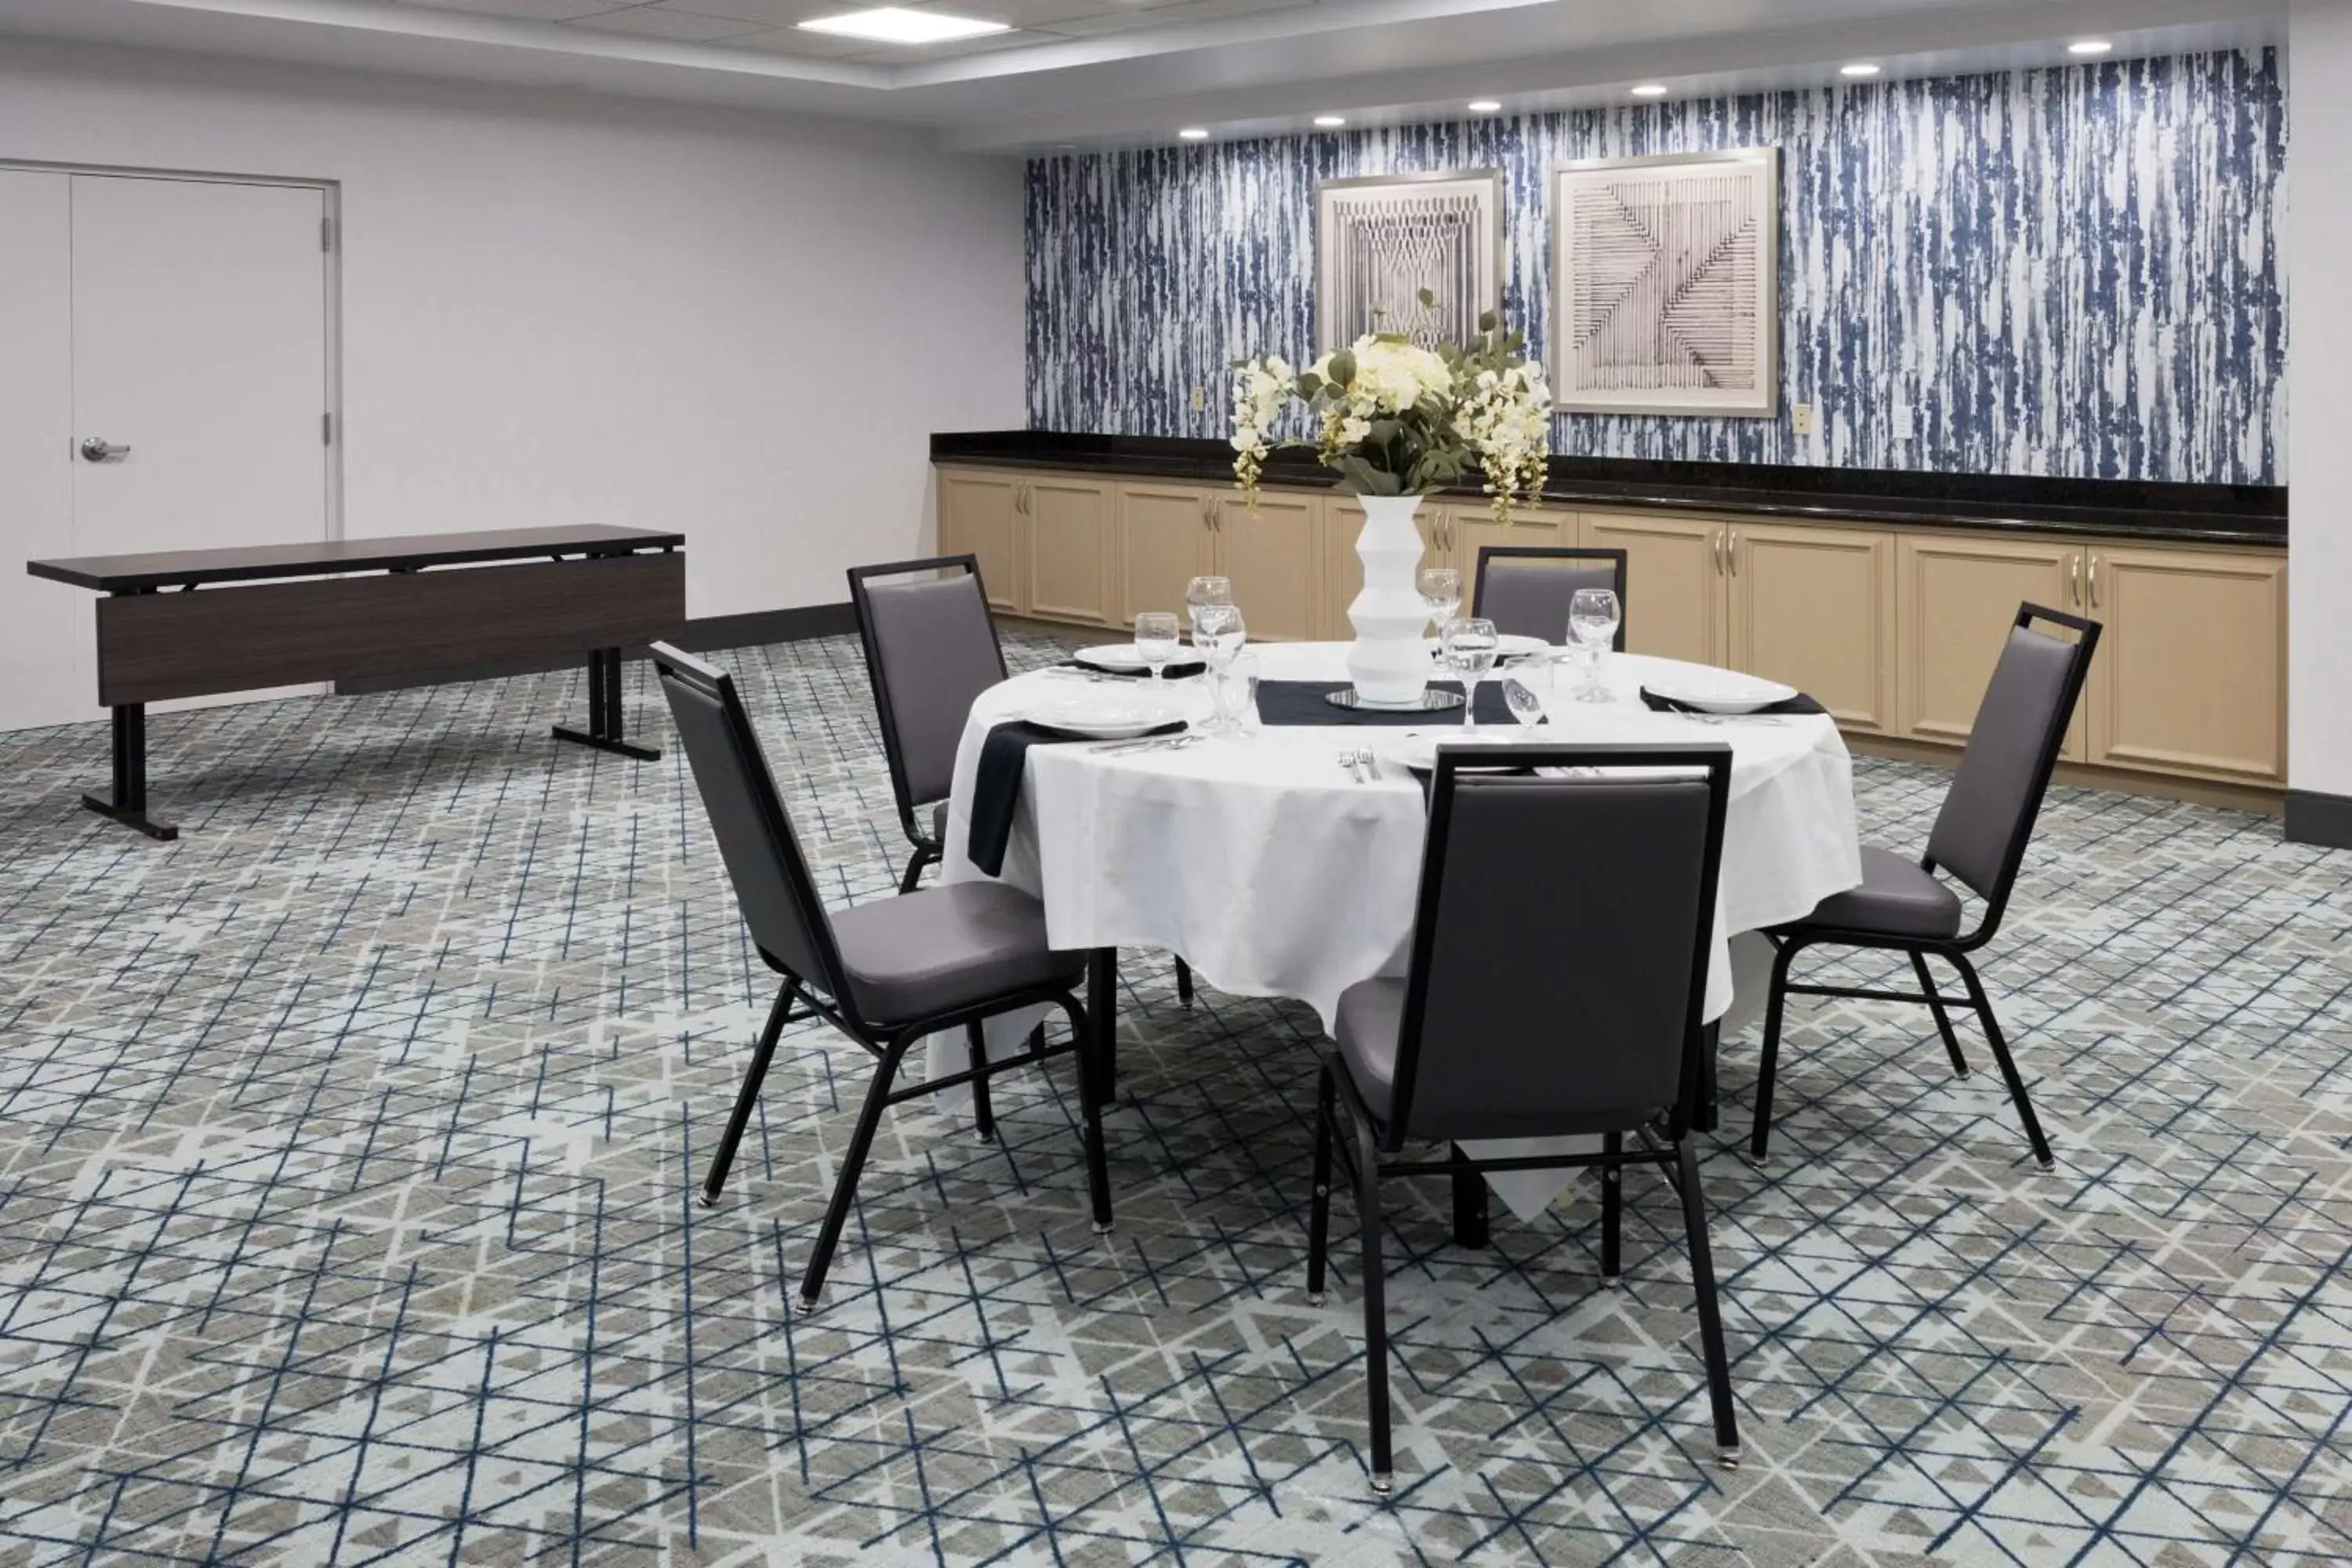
point(1089, 73)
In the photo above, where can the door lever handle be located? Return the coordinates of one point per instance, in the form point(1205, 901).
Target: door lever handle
point(98, 450)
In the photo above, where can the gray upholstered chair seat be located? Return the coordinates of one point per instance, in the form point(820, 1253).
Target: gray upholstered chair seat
point(1897, 898)
point(940, 949)
point(1371, 1018)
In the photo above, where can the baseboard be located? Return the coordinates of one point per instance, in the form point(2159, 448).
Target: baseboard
point(2325, 820)
point(701, 636)
point(2264, 799)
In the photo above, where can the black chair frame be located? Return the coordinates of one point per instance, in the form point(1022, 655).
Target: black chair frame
point(928, 850)
point(889, 1046)
point(1955, 950)
point(1665, 1142)
point(1615, 558)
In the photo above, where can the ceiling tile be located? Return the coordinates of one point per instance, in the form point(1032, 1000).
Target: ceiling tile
point(767, 12)
point(661, 22)
point(804, 45)
point(527, 10)
point(1019, 13)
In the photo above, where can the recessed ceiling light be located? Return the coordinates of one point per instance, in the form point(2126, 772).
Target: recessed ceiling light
point(2089, 46)
point(1330, 121)
point(1193, 133)
point(1859, 68)
point(1486, 106)
point(1651, 89)
point(891, 25)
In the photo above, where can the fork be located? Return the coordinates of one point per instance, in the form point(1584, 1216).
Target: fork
point(1358, 760)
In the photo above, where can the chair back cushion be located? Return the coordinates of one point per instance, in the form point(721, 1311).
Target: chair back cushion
point(755, 836)
point(1560, 964)
point(934, 650)
point(1526, 593)
point(1979, 832)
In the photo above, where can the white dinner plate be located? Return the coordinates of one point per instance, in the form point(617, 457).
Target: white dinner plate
point(1117, 655)
point(1102, 715)
point(1419, 753)
point(1719, 690)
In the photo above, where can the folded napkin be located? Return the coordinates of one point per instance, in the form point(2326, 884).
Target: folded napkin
point(1175, 671)
point(1301, 702)
point(1799, 703)
point(996, 784)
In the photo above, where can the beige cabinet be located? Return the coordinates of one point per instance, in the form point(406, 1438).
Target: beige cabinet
point(1275, 558)
point(1677, 604)
point(979, 516)
point(2190, 675)
point(1068, 548)
point(1163, 543)
point(1814, 608)
point(1956, 597)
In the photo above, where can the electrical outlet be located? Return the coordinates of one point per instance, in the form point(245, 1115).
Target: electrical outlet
point(1801, 419)
point(1200, 398)
point(1902, 422)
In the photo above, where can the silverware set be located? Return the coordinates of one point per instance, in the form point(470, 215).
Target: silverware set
point(1147, 743)
point(1361, 765)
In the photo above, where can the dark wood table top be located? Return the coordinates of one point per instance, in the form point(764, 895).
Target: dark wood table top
point(326, 557)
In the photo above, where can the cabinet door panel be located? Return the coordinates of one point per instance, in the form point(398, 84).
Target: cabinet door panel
point(1344, 570)
point(1955, 598)
point(1274, 559)
point(1814, 608)
point(1069, 549)
point(1675, 594)
point(976, 517)
point(1164, 543)
point(2189, 677)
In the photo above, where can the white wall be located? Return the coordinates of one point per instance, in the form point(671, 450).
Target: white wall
point(2319, 344)
point(562, 309)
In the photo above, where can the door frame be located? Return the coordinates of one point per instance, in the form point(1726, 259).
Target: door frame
point(330, 256)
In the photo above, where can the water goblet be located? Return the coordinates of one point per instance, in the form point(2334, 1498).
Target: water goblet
point(1440, 592)
point(1155, 641)
point(1218, 631)
point(1468, 646)
point(1593, 616)
point(1233, 690)
point(1203, 592)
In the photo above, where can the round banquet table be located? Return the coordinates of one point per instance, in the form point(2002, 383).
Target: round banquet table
point(1276, 873)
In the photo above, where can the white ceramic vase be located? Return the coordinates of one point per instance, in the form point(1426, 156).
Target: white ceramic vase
point(1388, 662)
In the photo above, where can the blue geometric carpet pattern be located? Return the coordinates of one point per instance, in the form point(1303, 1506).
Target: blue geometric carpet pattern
point(347, 1146)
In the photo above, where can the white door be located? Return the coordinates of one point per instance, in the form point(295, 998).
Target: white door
point(184, 324)
point(199, 346)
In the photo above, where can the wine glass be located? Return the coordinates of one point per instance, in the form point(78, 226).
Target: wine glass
point(1233, 690)
point(1155, 640)
point(1440, 592)
point(1218, 632)
point(1593, 615)
point(1468, 646)
point(1527, 689)
point(1203, 592)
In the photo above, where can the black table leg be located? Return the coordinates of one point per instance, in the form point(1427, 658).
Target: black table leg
point(1470, 1227)
point(603, 730)
point(128, 805)
point(1710, 1047)
point(1102, 1012)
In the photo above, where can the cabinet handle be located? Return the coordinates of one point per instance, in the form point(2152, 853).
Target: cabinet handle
point(1021, 500)
point(1217, 514)
point(1714, 551)
point(1733, 552)
point(2075, 581)
point(2095, 581)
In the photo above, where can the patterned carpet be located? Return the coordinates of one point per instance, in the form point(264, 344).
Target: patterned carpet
point(347, 1147)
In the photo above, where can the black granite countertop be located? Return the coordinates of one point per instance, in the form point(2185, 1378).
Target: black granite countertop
point(2121, 509)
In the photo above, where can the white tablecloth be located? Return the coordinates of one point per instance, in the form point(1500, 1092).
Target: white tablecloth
point(1274, 874)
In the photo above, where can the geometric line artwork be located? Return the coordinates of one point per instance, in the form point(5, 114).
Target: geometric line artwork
point(1666, 273)
point(1382, 242)
point(348, 1148)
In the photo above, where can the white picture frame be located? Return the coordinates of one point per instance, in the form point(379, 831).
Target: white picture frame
point(1666, 284)
point(1379, 240)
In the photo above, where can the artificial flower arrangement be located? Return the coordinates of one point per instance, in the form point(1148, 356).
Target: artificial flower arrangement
point(1394, 418)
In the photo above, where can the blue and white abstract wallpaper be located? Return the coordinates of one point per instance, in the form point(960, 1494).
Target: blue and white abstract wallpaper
point(2070, 271)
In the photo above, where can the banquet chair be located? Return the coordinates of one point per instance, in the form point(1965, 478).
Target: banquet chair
point(887, 972)
point(1525, 589)
point(1979, 838)
point(931, 650)
point(1474, 1042)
